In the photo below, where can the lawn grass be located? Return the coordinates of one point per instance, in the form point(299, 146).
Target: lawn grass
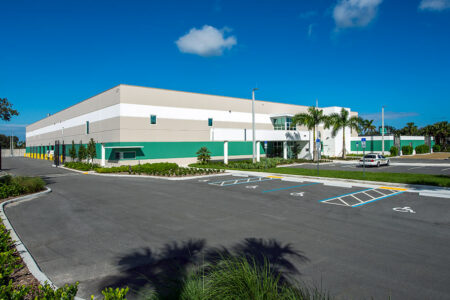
point(407, 178)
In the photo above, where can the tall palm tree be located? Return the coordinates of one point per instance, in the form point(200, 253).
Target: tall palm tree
point(410, 129)
point(442, 131)
point(310, 120)
point(340, 121)
point(368, 127)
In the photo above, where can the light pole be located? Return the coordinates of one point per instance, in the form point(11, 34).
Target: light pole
point(253, 123)
point(382, 130)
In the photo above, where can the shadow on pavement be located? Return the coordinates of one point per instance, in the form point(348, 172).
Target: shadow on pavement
point(165, 271)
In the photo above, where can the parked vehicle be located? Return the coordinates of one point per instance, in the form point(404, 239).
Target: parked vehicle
point(374, 160)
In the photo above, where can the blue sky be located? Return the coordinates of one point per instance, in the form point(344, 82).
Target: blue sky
point(360, 54)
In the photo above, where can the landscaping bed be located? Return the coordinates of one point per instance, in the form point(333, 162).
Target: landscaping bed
point(155, 169)
point(265, 163)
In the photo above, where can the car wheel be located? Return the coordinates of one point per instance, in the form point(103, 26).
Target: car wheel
point(378, 164)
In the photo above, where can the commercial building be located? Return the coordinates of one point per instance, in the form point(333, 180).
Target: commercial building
point(132, 124)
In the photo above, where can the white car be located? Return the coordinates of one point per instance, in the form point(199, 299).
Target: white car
point(374, 160)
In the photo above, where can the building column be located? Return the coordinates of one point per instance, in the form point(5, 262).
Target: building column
point(285, 150)
point(258, 151)
point(103, 156)
point(225, 152)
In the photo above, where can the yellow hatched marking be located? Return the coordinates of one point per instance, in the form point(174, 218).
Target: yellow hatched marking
point(392, 188)
point(278, 177)
point(85, 172)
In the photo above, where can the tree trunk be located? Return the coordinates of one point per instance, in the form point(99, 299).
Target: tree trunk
point(343, 143)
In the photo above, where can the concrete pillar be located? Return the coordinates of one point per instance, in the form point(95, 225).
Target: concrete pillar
point(225, 152)
point(258, 151)
point(103, 156)
point(285, 150)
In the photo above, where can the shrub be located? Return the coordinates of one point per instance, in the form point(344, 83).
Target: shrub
point(394, 151)
point(73, 151)
point(114, 294)
point(81, 166)
point(67, 292)
point(407, 150)
point(81, 152)
point(436, 148)
point(203, 155)
point(16, 186)
point(91, 152)
point(422, 149)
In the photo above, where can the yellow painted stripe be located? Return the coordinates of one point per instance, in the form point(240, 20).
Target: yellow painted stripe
point(85, 172)
point(279, 177)
point(392, 188)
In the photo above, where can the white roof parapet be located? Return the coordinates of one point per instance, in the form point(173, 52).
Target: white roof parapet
point(230, 134)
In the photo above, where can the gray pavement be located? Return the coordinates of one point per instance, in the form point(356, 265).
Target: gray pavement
point(106, 231)
point(429, 169)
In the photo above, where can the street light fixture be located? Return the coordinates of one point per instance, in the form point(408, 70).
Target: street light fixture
point(253, 124)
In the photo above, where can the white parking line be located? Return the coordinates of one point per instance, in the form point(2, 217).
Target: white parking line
point(415, 168)
point(445, 169)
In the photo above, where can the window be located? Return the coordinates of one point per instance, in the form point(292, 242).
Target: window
point(87, 127)
point(153, 119)
point(289, 125)
point(210, 122)
point(125, 155)
point(278, 123)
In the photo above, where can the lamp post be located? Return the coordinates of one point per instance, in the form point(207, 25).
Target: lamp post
point(253, 123)
point(382, 130)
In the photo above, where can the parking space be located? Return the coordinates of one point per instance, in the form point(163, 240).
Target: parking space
point(285, 189)
point(429, 169)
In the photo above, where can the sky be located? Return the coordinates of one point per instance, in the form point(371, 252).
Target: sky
point(361, 54)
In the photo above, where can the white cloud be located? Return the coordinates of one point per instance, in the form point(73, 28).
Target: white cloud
point(207, 41)
point(355, 13)
point(434, 5)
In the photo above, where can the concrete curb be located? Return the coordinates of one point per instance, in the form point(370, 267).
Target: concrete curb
point(23, 251)
point(355, 162)
point(424, 190)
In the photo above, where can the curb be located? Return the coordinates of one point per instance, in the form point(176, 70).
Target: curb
point(23, 251)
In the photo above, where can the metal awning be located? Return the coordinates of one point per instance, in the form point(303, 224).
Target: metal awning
point(124, 147)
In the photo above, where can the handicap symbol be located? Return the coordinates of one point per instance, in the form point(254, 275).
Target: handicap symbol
point(404, 209)
point(251, 186)
point(298, 194)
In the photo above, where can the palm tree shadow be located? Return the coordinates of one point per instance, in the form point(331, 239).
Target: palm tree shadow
point(162, 272)
point(166, 270)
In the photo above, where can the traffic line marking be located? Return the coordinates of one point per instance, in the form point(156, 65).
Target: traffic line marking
point(289, 187)
point(374, 194)
point(239, 181)
point(276, 177)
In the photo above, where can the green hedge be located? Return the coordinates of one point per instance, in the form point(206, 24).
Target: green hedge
point(422, 149)
point(265, 163)
point(394, 151)
point(437, 148)
point(81, 166)
point(157, 169)
point(16, 186)
point(407, 150)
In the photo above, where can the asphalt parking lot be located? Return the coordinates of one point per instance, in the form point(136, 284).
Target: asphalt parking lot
point(354, 166)
point(354, 241)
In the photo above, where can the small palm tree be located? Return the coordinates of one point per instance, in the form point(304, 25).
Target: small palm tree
point(203, 155)
point(340, 121)
point(410, 129)
point(310, 120)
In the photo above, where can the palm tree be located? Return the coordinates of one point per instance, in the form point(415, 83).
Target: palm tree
point(340, 121)
point(310, 120)
point(368, 127)
point(442, 130)
point(410, 129)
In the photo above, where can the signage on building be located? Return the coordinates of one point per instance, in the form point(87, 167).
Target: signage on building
point(363, 143)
